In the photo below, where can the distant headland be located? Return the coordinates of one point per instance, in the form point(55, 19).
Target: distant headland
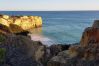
point(16, 24)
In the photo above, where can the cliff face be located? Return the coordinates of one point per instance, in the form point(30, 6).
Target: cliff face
point(20, 23)
point(90, 35)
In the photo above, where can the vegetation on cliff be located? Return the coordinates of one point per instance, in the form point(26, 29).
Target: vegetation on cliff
point(2, 38)
point(2, 55)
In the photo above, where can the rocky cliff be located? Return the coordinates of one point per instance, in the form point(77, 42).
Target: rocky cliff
point(19, 23)
point(90, 35)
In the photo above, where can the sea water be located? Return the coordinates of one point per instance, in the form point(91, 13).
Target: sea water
point(59, 27)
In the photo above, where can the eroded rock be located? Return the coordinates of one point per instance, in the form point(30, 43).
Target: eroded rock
point(90, 35)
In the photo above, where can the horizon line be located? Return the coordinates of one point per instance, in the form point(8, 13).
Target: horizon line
point(53, 10)
point(49, 10)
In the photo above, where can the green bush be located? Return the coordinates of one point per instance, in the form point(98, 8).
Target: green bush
point(2, 54)
point(2, 38)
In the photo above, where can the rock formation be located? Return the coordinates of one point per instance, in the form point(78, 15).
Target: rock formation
point(90, 35)
point(20, 23)
point(21, 51)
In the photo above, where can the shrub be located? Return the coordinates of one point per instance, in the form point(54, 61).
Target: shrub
point(2, 37)
point(2, 54)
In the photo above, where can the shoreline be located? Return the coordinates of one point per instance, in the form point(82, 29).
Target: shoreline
point(46, 40)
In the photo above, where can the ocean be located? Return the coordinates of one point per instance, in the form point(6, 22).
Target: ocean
point(59, 27)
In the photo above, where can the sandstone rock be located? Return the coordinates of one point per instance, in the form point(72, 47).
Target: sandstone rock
point(4, 22)
point(24, 17)
point(5, 16)
point(11, 29)
point(26, 25)
point(4, 29)
point(90, 35)
point(22, 22)
point(15, 28)
point(38, 21)
point(17, 22)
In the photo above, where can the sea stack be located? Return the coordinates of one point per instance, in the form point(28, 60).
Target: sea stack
point(18, 24)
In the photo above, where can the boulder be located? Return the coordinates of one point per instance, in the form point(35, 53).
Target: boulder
point(55, 49)
point(52, 51)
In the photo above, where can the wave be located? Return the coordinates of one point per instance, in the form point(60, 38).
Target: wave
point(43, 39)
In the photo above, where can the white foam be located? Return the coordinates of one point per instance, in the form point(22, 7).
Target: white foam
point(43, 39)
